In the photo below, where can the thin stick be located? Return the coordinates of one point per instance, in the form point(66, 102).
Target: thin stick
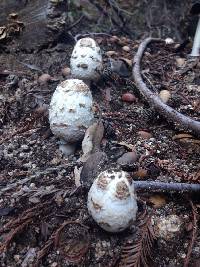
point(107, 15)
point(75, 23)
point(167, 187)
point(169, 113)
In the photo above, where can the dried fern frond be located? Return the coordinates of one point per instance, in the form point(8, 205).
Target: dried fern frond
point(136, 253)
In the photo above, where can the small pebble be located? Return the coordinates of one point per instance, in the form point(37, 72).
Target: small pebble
point(165, 95)
point(32, 186)
point(22, 155)
point(66, 71)
point(169, 41)
point(144, 134)
point(128, 97)
point(127, 158)
point(126, 48)
point(17, 258)
point(44, 78)
point(111, 53)
point(180, 62)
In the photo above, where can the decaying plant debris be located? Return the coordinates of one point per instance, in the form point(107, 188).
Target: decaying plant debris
point(44, 219)
point(135, 253)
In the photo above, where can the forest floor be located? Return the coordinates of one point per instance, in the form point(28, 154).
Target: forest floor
point(43, 218)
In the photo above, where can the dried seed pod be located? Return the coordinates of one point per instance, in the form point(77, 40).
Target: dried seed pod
point(112, 201)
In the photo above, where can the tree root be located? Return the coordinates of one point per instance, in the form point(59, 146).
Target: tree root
point(166, 111)
point(167, 187)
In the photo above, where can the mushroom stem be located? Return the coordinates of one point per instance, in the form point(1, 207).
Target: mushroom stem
point(196, 44)
point(161, 186)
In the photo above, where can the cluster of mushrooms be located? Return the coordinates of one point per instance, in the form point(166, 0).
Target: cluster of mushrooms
point(111, 198)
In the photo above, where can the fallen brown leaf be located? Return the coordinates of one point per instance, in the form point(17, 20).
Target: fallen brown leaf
point(158, 200)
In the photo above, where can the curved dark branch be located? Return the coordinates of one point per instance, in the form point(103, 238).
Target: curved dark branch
point(166, 111)
point(166, 187)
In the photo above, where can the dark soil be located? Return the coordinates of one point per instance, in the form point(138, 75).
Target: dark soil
point(28, 150)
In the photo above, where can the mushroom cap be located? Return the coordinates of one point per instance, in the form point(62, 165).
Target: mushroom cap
point(70, 112)
point(86, 60)
point(112, 201)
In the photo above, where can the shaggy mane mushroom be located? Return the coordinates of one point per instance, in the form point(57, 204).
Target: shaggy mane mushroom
point(195, 10)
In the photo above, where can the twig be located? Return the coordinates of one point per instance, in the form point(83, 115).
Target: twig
point(75, 23)
point(194, 235)
point(107, 15)
point(161, 186)
point(169, 113)
point(113, 5)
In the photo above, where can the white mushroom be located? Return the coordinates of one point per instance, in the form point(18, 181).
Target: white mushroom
point(70, 112)
point(169, 41)
point(112, 201)
point(86, 60)
point(195, 10)
point(196, 45)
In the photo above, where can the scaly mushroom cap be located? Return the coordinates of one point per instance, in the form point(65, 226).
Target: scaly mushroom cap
point(112, 201)
point(86, 60)
point(70, 112)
